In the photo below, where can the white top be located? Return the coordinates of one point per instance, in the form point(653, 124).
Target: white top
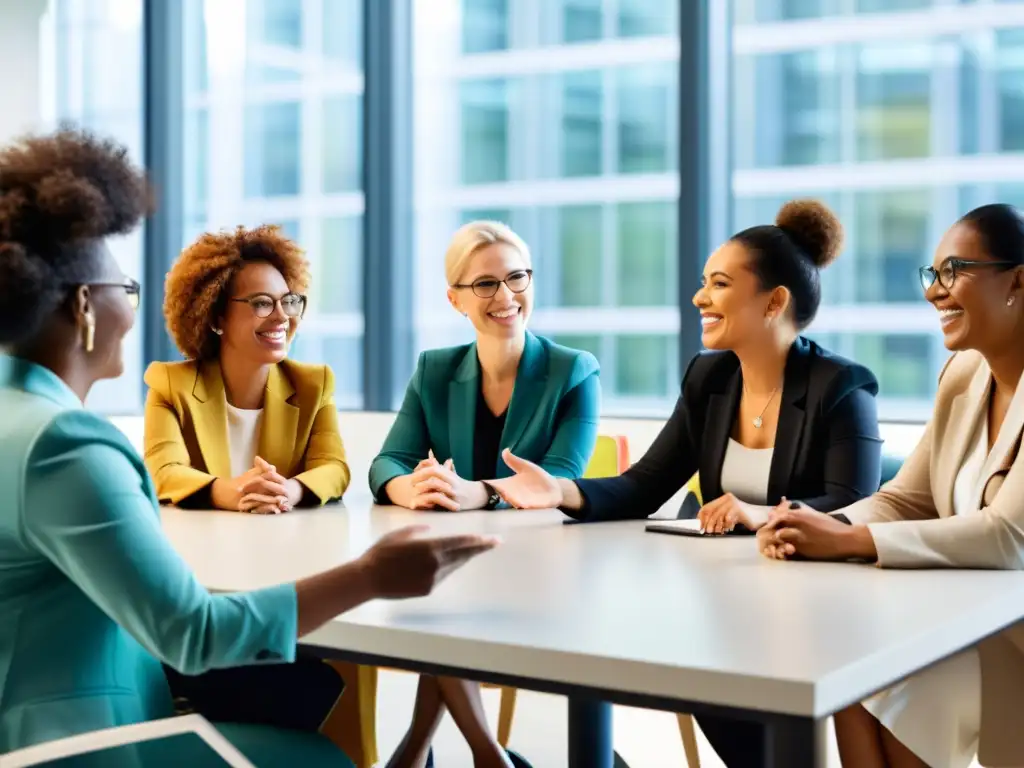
point(745, 472)
point(612, 607)
point(243, 438)
point(966, 487)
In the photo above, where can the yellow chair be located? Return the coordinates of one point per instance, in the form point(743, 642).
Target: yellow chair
point(353, 726)
point(693, 487)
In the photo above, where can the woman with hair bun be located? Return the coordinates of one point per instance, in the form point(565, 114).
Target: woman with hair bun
point(764, 413)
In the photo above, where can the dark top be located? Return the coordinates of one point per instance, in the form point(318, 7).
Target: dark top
point(487, 439)
point(827, 446)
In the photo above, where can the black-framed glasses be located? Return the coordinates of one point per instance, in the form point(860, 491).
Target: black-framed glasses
point(486, 287)
point(263, 304)
point(949, 269)
point(131, 288)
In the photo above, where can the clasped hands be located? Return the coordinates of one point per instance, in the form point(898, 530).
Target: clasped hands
point(795, 530)
point(436, 485)
point(262, 491)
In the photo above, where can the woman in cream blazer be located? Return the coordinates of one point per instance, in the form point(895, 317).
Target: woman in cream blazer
point(958, 502)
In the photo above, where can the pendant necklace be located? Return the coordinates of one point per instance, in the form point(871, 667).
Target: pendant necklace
point(758, 420)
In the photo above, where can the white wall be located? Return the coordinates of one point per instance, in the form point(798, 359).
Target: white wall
point(20, 66)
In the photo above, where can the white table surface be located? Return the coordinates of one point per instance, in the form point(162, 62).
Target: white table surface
point(610, 607)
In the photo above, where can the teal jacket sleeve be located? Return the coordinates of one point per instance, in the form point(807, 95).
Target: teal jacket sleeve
point(408, 440)
point(89, 511)
point(579, 415)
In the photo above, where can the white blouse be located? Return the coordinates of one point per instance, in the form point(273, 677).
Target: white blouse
point(967, 486)
point(745, 472)
point(243, 438)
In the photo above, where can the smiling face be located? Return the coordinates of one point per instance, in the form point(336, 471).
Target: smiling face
point(258, 288)
point(977, 311)
point(505, 313)
point(734, 310)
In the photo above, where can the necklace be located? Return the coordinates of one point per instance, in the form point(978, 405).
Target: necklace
point(758, 420)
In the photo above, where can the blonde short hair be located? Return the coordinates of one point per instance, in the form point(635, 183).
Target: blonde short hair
point(470, 238)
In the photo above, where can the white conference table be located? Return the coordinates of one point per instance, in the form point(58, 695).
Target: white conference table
point(608, 612)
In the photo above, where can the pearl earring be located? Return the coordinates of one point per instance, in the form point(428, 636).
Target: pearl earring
point(218, 331)
point(1009, 301)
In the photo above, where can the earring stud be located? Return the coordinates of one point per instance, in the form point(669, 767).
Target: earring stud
point(1009, 301)
point(218, 331)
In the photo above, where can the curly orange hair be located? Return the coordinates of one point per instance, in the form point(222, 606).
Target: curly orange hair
point(195, 293)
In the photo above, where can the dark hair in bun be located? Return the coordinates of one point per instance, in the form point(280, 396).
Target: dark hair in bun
point(1001, 229)
point(805, 238)
point(60, 195)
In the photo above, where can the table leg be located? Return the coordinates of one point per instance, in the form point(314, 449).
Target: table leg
point(590, 733)
point(796, 742)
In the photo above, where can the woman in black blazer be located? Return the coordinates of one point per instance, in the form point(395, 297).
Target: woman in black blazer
point(764, 413)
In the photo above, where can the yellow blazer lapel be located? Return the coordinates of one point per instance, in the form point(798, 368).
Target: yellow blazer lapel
point(280, 423)
point(210, 416)
point(964, 412)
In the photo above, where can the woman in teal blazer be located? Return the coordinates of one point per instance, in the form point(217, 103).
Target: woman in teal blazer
point(552, 415)
point(464, 406)
point(93, 597)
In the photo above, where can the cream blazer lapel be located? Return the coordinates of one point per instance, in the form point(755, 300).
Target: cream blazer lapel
point(952, 442)
point(1005, 449)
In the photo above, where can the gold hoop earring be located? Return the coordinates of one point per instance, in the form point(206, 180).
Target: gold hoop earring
point(90, 333)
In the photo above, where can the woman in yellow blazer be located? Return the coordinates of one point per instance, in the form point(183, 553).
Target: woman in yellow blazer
point(238, 425)
point(957, 502)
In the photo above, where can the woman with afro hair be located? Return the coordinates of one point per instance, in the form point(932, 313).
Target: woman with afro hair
point(92, 594)
point(238, 425)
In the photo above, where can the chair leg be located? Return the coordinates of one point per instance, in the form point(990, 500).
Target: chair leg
point(689, 735)
point(352, 724)
point(505, 714)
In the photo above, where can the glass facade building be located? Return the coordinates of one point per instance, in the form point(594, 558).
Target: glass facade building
point(562, 118)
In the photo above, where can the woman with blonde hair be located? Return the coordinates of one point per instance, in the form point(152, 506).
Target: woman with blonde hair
point(507, 390)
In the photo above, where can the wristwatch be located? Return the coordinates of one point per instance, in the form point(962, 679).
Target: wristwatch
point(493, 497)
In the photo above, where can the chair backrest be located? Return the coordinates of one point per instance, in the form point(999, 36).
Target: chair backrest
point(610, 457)
point(692, 501)
point(137, 733)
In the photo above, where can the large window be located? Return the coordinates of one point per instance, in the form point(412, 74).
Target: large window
point(273, 134)
point(900, 134)
point(93, 54)
point(562, 119)
point(559, 118)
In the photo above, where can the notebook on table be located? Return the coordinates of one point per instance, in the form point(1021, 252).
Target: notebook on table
point(687, 527)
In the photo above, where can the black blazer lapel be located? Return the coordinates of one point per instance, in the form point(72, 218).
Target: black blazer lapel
point(718, 421)
point(792, 414)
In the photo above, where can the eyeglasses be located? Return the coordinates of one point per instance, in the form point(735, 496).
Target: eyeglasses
point(486, 287)
point(131, 288)
point(950, 268)
point(263, 304)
